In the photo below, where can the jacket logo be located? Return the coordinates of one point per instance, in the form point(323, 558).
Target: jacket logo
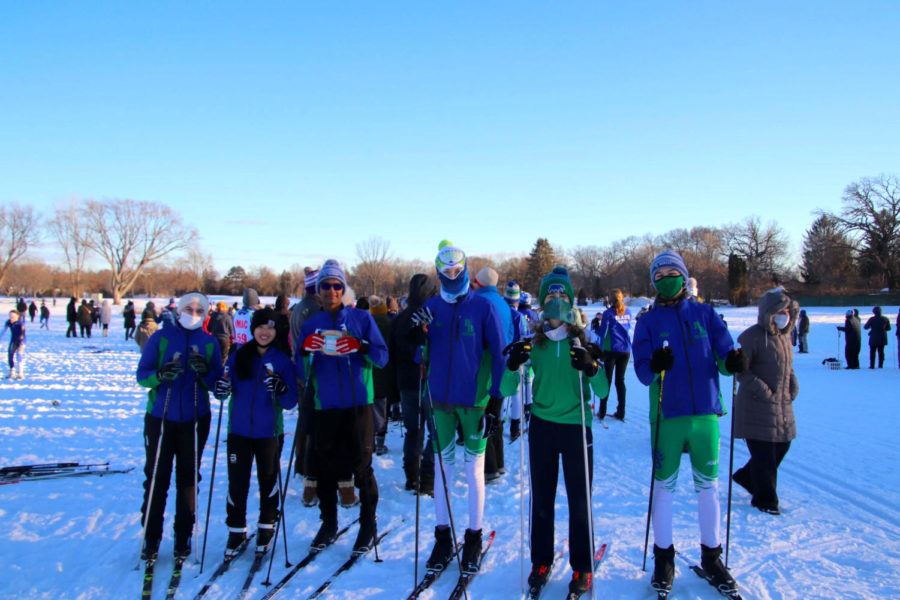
point(699, 331)
point(467, 328)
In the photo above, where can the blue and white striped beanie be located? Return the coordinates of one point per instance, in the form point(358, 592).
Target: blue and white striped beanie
point(513, 293)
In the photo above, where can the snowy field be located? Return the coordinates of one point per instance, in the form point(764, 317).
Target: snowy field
point(838, 536)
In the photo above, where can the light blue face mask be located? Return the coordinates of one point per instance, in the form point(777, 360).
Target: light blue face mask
point(558, 308)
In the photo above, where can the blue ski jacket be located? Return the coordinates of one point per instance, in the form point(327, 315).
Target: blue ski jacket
point(251, 411)
point(699, 341)
point(342, 381)
point(613, 331)
point(187, 387)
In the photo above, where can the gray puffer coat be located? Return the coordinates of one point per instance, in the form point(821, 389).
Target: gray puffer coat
point(768, 385)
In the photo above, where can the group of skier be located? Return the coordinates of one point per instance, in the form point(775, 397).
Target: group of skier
point(458, 353)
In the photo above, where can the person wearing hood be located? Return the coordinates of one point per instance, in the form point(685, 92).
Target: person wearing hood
point(71, 317)
point(407, 374)
point(148, 326)
point(129, 316)
point(852, 339)
point(680, 348)
point(878, 326)
point(85, 318)
point(457, 327)
point(803, 331)
point(566, 372)
point(260, 382)
point(179, 365)
point(243, 316)
point(341, 345)
point(764, 412)
point(169, 315)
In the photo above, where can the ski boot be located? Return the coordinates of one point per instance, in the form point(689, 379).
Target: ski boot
point(664, 568)
point(235, 539)
point(151, 549)
point(580, 584)
point(182, 545)
point(443, 550)
point(365, 539)
point(326, 534)
point(515, 429)
point(716, 573)
point(471, 553)
point(539, 576)
point(264, 534)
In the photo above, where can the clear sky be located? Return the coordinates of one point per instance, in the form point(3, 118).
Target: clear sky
point(287, 132)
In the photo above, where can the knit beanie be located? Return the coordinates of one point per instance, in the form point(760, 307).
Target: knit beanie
point(309, 279)
point(487, 277)
point(513, 293)
point(330, 270)
point(377, 306)
point(668, 258)
point(450, 260)
point(202, 301)
point(263, 316)
point(558, 280)
point(251, 298)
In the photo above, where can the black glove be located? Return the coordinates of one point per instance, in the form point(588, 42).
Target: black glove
point(423, 316)
point(170, 371)
point(198, 364)
point(492, 423)
point(222, 388)
point(596, 352)
point(661, 360)
point(583, 361)
point(527, 412)
point(519, 352)
point(734, 361)
point(275, 383)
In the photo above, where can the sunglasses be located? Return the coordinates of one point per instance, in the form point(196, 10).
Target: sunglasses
point(331, 286)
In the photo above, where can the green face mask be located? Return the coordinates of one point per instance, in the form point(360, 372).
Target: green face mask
point(558, 308)
point(668, 287)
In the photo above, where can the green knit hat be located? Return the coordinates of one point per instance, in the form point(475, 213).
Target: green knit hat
point(559, 276)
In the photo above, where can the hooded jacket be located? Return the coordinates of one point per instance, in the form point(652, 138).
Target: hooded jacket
point(699, 341)
point(251, 410)
point(768, 386)
point(186, 389)
point(852, 331)
point(403, 348)
point(878, 326)
point(613, 331)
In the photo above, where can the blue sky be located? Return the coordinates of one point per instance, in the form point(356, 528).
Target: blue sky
point(288, 132)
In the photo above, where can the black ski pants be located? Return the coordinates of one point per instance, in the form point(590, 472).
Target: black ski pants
point(304, 460)
point(761, 471)
point(71, 330)
point(851, 353)
point(548, 442)
point(177, 445)
point(344, 443)
point(873, 350)
point(242, 451)
point(617, 361)
point(414, 422)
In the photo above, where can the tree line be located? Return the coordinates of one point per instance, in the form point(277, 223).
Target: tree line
point(856, 248)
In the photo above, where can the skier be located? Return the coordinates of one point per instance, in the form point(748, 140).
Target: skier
point(340, 347)
point(257, 374)
point(179, 364)
point(16, 349)
point(612, 337)
point(45, 316)
point(242, 317)
point(764, 413)
point(878, 326)
point(129, 316)
point(521, 331)
point(459, 326)
point(564, 366)
point(852, 337)
point(680, 347)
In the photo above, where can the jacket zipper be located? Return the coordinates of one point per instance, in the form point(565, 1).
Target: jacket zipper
point(450, 354)
point(340, 375)
point(687, 358)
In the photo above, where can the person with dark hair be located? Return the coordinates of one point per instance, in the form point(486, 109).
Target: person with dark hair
point(179, 365)
point(283, 322)
point(878, 326)
point(85, 318)
point(852, 339)
point(71, 317)
point(45, 316)
point(383, 390)
point(221, 327)
point(32, 310)
point(260, 380)
point(130, 316)
point(16, 349)
point(341, 345)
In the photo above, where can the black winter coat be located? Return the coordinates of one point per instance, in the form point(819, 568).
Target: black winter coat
point(401, 346)
point(878, 327)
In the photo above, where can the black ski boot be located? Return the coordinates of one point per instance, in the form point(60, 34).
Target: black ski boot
point(264, 534)
point(471, 553)
point(443, 550)
point(365, 539)
point(151, 549)
point(515, 429)
point(716, 573)
point(664, 568)
point(580, 584)
point(427, 479)
point(326, 534)
point(235, 539)
point(182, 544)
point(539, 576)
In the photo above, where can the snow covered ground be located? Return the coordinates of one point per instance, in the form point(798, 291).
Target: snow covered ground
point(838, 536)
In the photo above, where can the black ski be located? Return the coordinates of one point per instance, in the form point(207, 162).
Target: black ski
point(466, 578)
point(223, 567)
point(345, 567)
point(41, 474)
point(258, 559)
point(147, 592)
point(731, 594)
point(431, 575)
point(313, 553)
point(534, 592)
point(599, 555)
point(175, 579)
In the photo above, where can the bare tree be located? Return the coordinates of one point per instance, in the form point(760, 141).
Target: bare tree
point(68, 228)
point(18, 232)
point(765, 248)
point(374, 266)
point(129, 235)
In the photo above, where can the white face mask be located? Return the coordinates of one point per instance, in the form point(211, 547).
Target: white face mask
point(781, 320)
point(190, 321)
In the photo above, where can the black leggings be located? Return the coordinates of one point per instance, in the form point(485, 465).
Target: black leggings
point(619, 362)
point(241, 453)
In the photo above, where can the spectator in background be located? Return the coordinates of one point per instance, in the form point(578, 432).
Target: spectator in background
point(221, 327)
point(130, 317)
point(71, 317)
point(169, 316)
point(803, 330)
point(85, 318)
point(45, 316)
point(613, 339)
point(32, 310)
point(878, 326)
point(852, 335)
point(106, 316)
point(149, 325)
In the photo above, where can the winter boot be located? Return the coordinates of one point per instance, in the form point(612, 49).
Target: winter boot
point(580, 584)
point(742, 478)
point(326, 534)
point(664, 569)
point(151, 549)
point(347, 494)
point(539, 576)
point(365, 539)
point(182, 545)
point(410, 469)
point(21, 371)
point(12, 373)
point(236, 538)
point(427, 477)
point(471, 553)
point(515, 429)
point(716, 573)
point(442, 553)
point(264, 534)
point(380, 448)
point(310, 492)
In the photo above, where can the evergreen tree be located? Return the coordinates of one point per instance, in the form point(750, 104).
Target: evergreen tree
point(540, 261)
point(738, 281)
point(827, 255)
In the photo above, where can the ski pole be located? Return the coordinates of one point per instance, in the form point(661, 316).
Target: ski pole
point(195, 532)
point(162, 429)
point(587, 473)
point(522, 477)
point(662, 379)
point(419, 442)
point(212, 479)
point(280, 518)
point(734, 385)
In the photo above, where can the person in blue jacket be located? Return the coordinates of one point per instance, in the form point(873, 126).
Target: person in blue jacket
point(341, 345)
point(16, 327)
point(179, 364)
point(680, 349)
point(521, 331)
point(457, 327)
point(612, 337)
point(261, 382)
